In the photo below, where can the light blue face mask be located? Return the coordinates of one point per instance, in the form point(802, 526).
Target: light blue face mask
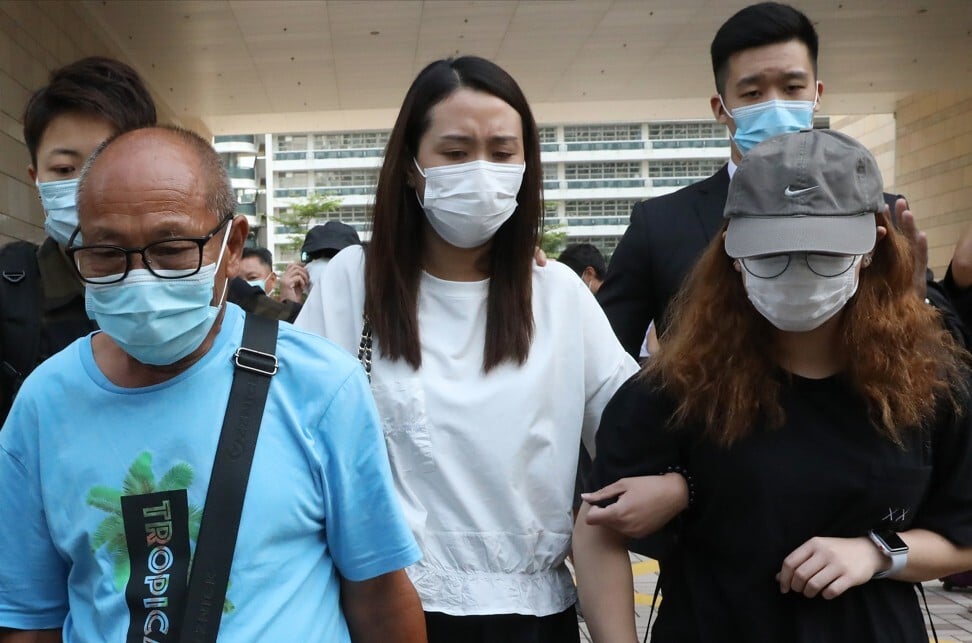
point(259, 283)
point(756, 123)
point(157, 321)
point(60, 201)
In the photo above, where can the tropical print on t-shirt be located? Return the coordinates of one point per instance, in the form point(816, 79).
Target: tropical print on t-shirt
point(139, 480)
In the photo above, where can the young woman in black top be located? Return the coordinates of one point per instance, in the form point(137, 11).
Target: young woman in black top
point(818, 410)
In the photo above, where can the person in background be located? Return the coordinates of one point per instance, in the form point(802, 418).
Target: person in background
point(252, 290)
point(320, 245)
point(41, 298)
point(830, 469)
point(587, 261)
point(488, 369)
point(256, 268)
point(319, 557)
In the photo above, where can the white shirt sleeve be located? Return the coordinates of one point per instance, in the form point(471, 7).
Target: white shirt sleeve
point(335, 307)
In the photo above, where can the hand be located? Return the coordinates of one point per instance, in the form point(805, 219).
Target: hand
point(962, 260)
point(644, 504)
point(918, 242)
point(293, 284)
point(830, 566)
point(539, 256)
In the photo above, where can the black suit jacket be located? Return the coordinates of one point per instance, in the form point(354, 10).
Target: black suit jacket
point(666, 236)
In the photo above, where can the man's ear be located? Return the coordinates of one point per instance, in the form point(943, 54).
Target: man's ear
point(238, 232)
point(32, 172)
point(718, 110)
point(816, 107)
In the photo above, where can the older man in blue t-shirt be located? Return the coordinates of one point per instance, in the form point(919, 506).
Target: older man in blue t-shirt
point(137, 409)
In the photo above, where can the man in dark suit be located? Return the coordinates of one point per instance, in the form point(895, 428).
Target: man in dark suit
point(764, 59)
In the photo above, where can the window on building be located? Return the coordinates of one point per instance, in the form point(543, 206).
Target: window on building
point(684, 168)
point(351, 140)
point(686, 130)
point(600, 208)
point(346, 178)
point(549, 171)
point(292, 180)
point(353, 214)
point(606, 170)
point(548, 134)
point(295, 143)
point(593, 133)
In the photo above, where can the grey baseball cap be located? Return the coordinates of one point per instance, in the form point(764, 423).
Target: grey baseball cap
point(809, 191)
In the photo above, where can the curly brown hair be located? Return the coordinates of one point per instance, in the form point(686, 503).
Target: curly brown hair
point(718, 366)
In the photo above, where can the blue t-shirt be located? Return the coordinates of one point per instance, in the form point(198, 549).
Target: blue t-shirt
point(320, 500)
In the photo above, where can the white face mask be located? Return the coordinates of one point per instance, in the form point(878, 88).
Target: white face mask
point(315, 271)
point(467, 203)
point(800, 300)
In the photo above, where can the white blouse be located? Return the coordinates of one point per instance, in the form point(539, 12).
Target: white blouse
point(485, 463)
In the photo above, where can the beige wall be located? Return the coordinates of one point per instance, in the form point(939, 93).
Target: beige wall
point(876, 132)
point(36, 37)
point(934, 167)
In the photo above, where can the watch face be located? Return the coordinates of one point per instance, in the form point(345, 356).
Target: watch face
point(892, 541)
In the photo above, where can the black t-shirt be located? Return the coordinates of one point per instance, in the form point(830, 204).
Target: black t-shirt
point(826, 472)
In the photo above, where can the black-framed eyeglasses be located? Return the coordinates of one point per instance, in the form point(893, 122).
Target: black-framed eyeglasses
point(174, 258)
point(821, 264)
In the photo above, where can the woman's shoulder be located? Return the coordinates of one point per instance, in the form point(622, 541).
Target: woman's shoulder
point(348, 260)
point(555, 280)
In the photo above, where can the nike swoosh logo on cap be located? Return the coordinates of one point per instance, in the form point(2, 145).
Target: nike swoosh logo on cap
point(791, 192)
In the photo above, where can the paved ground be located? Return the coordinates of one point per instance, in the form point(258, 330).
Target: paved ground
point(950, 610)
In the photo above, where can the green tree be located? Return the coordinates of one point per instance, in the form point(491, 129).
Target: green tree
point(553, 240)
point(139, 480)
point(301, 216)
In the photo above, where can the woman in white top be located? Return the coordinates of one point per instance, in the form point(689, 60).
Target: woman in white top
point(487, 369)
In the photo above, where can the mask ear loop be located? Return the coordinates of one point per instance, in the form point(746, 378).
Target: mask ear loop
point(418, 196)
point(219, 260)
point(724, 108)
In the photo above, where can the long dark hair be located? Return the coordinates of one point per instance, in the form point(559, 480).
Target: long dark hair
point(394, 259)
point(716, 362)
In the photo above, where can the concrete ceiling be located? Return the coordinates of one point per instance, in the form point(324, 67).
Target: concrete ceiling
point(253, 66)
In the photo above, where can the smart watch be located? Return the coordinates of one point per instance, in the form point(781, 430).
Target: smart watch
point(893, 547)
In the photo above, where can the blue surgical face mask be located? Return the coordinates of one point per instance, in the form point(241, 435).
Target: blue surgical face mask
point(756, 123)
point(259, 283)
point(60, 202)
point(157, 321)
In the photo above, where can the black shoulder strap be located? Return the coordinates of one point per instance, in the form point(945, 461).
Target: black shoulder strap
point(20, 317)
point(256, 363)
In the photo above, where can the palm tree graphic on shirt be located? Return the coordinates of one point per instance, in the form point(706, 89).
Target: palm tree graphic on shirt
point(139, 480)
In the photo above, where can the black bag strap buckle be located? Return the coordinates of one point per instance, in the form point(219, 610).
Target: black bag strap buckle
point(256, 361)
point(13, 276)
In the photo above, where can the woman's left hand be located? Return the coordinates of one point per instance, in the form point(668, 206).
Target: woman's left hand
point(830, 566)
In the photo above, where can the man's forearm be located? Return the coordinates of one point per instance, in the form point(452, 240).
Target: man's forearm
point(385, 609)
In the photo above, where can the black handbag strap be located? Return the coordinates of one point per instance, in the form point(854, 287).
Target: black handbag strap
point(365, 347)
point(255, 363)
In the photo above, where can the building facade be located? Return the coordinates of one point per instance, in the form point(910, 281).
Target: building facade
point(592, 175)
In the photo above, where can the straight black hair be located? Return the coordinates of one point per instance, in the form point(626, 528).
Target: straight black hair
point(393, 262)
point(757, 25)
point(98, 86)
point(264, 255)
